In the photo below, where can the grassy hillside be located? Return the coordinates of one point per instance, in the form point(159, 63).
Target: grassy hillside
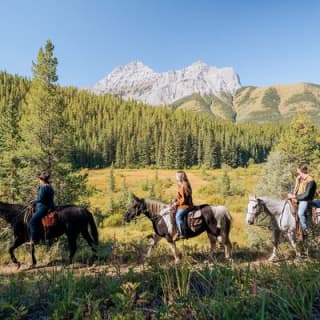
point(278, 103)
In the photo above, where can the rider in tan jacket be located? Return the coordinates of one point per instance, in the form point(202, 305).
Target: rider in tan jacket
point(304, 191)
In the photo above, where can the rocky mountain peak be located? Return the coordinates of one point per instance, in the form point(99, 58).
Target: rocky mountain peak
point(137, 81)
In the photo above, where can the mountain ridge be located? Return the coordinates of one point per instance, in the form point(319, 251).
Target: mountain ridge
point(137, 81)
point(200, 87)
point(279, 103)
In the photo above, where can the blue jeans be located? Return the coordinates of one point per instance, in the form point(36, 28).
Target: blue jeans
point(315, 203)
point(302, 210)
point(34, 224)
point(181, 212)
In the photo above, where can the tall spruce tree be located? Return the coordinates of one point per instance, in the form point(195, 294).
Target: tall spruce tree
point(46, 132)
point(300, 142)
point(12, 90)
point(10, 181)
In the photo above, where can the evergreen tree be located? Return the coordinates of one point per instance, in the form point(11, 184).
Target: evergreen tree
point(299, 143)
point(111, 180)
point(275, 180)
point(45, 131)
point(12, 91)
point(225, 185)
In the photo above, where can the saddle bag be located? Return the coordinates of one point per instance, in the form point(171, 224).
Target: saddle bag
point(194, 219)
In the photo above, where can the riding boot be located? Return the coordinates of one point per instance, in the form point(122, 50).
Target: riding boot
point(305, 234)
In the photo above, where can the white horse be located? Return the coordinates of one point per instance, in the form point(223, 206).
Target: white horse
point(282, 217)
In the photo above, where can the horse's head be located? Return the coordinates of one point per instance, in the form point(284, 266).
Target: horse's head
point(137, 207)
point(254, 209)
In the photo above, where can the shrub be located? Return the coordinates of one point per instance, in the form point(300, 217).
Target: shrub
point(115, 220)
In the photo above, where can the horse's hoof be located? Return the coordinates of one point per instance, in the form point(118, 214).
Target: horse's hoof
point(32, 266)
point(18, 265)
point(272, 259)
point(298, 259)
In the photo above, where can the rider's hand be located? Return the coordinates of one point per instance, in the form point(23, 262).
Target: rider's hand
point(291, 196)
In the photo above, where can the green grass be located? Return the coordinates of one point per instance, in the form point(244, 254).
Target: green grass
point(123, 284)
point(205, 290)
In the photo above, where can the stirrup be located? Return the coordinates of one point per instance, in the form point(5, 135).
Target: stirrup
point(178, 236)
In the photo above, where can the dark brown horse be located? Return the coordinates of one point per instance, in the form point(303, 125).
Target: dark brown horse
point(71, 220)
point(216, 221)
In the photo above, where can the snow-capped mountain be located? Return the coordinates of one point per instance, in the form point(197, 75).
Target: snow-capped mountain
point(137, 81)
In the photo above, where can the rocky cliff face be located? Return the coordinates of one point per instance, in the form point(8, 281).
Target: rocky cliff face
point(137, 81)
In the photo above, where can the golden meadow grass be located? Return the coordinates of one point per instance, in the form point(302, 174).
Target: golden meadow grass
point(206, 186)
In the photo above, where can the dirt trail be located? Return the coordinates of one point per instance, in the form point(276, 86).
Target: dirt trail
point(9, 269)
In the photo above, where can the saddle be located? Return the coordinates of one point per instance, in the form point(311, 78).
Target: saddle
point(49, 220)
point(315, 217)
point(294, 203)
point(192, 221)
point(194, 218)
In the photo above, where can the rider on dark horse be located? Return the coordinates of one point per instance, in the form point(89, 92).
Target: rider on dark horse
point(183, 202)
point(43, 203)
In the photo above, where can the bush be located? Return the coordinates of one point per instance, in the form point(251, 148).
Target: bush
point(115, 220)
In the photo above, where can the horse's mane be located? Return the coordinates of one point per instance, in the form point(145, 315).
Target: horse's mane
point(274, 203)
point(12, 213)
point(59, 208)
point(155, 206)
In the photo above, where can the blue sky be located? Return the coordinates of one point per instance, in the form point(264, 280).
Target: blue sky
point(266, 42)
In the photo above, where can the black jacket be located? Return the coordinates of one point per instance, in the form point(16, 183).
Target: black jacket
point(309, 194)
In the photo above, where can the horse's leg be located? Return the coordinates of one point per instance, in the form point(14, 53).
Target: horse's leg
point(72, 238)
point(292, 240)
point(227, 247)
point(17, 243)
point(34, 261)
point(213, 240)
point(154, 241)
point(276, 238)
point(174, 251)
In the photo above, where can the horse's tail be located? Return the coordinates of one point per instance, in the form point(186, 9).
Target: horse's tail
point(93, 227)
point(223, 214)
point(228, 221)
point(229, 217)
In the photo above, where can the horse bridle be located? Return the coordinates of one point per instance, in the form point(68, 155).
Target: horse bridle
point(143, 210)
point(261, 210)
point(140, 211)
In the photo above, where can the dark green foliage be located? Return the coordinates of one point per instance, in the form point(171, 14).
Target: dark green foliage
point(35, 134)
point(299, 143)
point(12, 92)
point(107, 129)
point(271, 99)
point(306, 96)
point(159, 291)
point(225, 184)
point(246, 98)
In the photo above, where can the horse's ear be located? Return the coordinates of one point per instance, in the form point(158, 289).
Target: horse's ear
point(134, 197)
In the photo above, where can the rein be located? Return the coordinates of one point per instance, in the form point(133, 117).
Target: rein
point(142, 214)
point(263, 215)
